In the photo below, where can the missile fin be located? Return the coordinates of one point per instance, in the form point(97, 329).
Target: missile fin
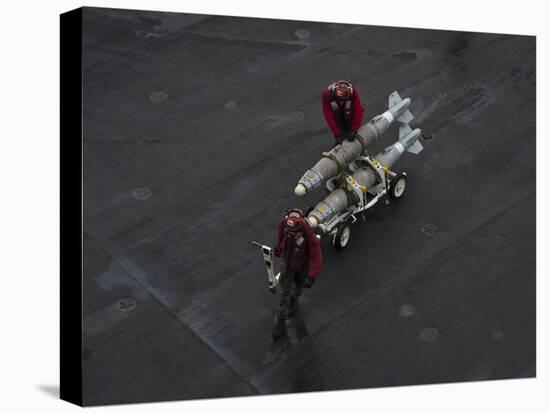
point(415, 148)
point(404, 129)
point(394, 99)
point(406, 117)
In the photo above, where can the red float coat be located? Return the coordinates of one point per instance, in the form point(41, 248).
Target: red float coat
point(336, 115)
point(300, 249)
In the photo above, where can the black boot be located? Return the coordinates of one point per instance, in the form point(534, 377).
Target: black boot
point(293, 307)
point(279, 329)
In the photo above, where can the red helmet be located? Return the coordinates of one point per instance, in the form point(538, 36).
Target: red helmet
point(342, 90)
point(294, 219)
point(294, 223)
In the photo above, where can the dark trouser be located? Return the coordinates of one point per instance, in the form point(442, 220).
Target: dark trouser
point(292, 284)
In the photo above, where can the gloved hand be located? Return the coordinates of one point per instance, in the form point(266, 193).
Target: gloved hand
point(309, 282)
point(338, 139)
point(350, 135)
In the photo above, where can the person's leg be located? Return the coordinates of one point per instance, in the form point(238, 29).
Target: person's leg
point(293, 307)
point(299, 281)
point(286, 281)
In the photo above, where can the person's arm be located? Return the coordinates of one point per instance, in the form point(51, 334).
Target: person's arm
point(280, 235)
point(327, 112)
point(315, 255)
point(357, 108)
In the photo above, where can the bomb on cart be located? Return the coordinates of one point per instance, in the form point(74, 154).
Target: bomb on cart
point(389, 186)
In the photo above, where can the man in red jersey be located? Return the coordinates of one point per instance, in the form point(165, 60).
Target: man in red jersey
point(342, 110)
point(301, 260)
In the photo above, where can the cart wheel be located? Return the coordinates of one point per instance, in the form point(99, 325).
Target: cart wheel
point(341, 239)
point(398, 185)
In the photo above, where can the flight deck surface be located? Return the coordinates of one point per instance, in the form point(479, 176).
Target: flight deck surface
point(197, 129)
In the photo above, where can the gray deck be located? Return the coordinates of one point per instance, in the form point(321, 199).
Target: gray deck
point(197, 129)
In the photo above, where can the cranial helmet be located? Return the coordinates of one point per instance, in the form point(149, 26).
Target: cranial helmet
point(342, 90)
point(294, 219)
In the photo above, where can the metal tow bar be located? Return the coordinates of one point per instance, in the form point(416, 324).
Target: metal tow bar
point(272, 278)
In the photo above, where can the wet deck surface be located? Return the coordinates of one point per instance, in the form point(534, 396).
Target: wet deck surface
point(197, 129)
